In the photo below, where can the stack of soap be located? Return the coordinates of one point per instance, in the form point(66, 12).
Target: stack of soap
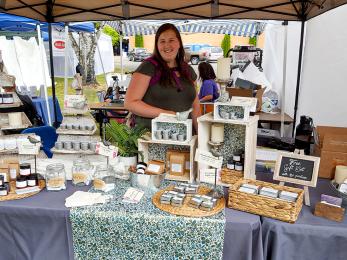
point(289, 196)
point(269, 192)
point(249, 188)
point(187, 188)
point(203, 202)
point(172, 198)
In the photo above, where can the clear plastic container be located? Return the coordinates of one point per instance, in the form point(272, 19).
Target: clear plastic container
point(104, 178)
point(55, 177)
point(82, 172)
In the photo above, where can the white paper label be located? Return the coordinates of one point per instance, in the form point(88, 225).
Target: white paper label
point(5, 176)
point(187, 166)
point(153, 168)
point(133, 195)
point(176, 167)
point(109, 151)
point(207, 175)
point(26, 147)
point(71, 100)
point(208, 159)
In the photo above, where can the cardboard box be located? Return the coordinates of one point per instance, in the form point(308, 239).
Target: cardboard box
point(335, 143)
point(328, 162)
point(240, 92)
point(324, 130)
point(186, 156)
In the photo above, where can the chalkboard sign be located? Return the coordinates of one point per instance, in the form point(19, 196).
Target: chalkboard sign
point(297, 168)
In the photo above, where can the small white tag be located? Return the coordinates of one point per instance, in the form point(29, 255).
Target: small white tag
point(109, 151)
point(154, 168)
point(207, 158)
point(26, 147)
point(133, 195)
point(72, 100)
point(207, 175)
point(187, 166)
point(176, 167)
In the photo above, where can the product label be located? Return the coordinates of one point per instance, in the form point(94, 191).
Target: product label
point(3, 192)
point(13, 173)
point(79, 177)
point(109, 151)
point(99, 184)
point(175, 167)
point(153, 168)
point(24, 172)
point(72, 100)
point(26, 147)
point(31, 183)
point(55, 182)
point(5, 176)
point(21, 184)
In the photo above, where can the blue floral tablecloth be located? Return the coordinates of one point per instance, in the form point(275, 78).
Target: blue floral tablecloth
point(141, 231)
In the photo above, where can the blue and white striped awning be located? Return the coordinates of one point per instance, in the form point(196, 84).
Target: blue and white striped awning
point(244, 28)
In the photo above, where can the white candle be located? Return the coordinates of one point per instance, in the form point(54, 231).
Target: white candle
point(217, 133)
point(223, 68)
point(15, 119)
point(340, 174)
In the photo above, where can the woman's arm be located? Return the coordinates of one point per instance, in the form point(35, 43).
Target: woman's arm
point(196, 113)
point(133, 99)
point(206, 98)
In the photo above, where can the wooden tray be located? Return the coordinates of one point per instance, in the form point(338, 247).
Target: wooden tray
point(186, 210)
point(14, 196)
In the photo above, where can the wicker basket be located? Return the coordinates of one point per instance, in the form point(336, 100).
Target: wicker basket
point(230, 176)
point(265, 206)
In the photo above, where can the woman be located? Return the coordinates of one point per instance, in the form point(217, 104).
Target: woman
point(164, 83)
point(209, 90)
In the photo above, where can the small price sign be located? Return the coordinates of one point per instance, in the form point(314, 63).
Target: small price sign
point(208, 159)
point(28, 148)
point(109, 151)
point(71, 100)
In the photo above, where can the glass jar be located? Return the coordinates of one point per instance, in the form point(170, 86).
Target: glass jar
point(82, 172)
point(104, 178)
point(55, 177)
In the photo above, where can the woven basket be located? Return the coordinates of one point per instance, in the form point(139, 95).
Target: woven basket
point(265, 206)
point(230, 176)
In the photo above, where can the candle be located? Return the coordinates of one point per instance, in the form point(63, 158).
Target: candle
point(340, 173)
point(223, 68)
point(217, 133)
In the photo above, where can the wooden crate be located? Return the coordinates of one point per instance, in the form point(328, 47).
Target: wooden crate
point(143, 146)
point(266, 206)
point(239, 110)
point(246, 135)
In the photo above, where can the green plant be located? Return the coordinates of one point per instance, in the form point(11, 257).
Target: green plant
point(253, 41)
point(111, 32)
point(225, 44)
point(125, 138)
point(139, 41)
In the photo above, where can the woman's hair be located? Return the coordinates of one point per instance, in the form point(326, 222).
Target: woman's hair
point(206, 71)
point(166, 77)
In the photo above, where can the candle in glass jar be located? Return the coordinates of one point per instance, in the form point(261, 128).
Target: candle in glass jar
point(217, 133)
point(340, 174)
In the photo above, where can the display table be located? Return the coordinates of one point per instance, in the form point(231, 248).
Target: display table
point(37, 227)
point(40, 105)
point(119, 230)
point(310, 237)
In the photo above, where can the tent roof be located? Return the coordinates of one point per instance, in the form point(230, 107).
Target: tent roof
point(15, 23)
point(77, 10)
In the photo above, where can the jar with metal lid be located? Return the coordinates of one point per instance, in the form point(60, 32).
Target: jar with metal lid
point(55, 177)
point(104, 178)
point(7, 98)
point(82, 172)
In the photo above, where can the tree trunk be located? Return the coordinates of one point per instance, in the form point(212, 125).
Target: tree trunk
point(85, 51)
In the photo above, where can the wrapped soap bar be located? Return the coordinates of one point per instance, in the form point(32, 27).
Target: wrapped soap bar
point(206, 205)
point(179, 189)
point(247, 190)
point(251, 186)
point(289, 196)
point(173, 193)
point(195, 202)
point(181, 195)
point(165, 198)
point(206, 198)
point(191, 190)
point(177, 201)
point(269, 192)
point(331, 200)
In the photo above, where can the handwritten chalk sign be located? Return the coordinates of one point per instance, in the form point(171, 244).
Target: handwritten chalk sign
point(297, 168)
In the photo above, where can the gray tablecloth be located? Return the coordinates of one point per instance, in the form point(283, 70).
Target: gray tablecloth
point(37, 228)
point(310, 237)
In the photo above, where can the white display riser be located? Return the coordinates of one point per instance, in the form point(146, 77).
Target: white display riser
point(250, 141)
point(143, 146)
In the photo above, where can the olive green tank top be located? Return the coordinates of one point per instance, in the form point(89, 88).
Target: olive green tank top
point(164, 97)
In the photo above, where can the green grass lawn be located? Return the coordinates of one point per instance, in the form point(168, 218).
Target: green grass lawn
point(89, 92)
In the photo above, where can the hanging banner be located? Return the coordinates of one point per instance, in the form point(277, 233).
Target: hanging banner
point(58, 38)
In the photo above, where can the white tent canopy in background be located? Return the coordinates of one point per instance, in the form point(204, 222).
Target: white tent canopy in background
point(106, 51)
point(22, 59)
point(245, 28)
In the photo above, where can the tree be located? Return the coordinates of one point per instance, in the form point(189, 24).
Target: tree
point(139, 41)
point(84, 44)
point(253, 40)
point(111, 32)
point(225, 44)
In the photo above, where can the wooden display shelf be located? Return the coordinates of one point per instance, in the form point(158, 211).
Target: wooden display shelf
point(25, 122)
point(143, 146)
point(64, 151)
point(250, 141)
point(15, 104)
